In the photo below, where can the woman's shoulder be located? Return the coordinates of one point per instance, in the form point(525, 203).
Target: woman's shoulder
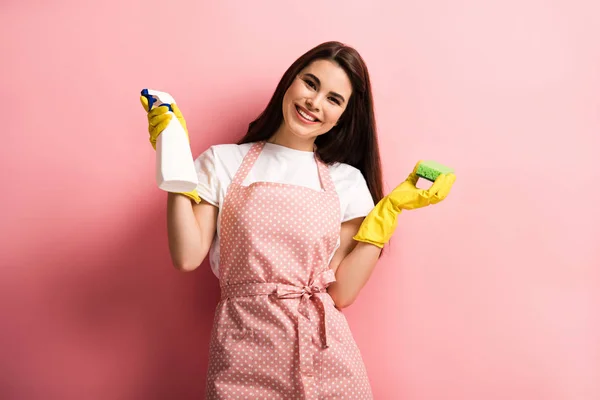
point(345, 173)
point(226, 152)
point(231, 148)
point(352, 188)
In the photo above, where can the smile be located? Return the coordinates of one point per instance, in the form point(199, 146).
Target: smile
point(306, 116)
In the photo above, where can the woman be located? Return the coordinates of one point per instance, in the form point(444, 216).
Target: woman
point(289, 217)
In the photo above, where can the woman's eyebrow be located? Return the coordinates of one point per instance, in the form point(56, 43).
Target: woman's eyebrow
point(339, 96)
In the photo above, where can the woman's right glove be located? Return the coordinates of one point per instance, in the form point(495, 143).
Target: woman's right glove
point(379, 225)
point(158, 119)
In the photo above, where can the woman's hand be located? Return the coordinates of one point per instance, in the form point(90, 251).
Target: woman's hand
point(159, 118)
point(379, 226)
point(407, 196)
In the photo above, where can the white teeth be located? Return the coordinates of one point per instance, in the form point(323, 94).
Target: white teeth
point(305, 115)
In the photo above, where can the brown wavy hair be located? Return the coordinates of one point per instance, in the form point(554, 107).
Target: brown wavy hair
point(354, 139)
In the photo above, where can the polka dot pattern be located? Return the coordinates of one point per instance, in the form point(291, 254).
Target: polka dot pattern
point(277, 333)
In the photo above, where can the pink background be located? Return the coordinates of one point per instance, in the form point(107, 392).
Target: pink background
point(493, 294)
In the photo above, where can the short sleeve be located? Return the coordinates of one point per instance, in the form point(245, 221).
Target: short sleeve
point(208, 183)
point(360, 202)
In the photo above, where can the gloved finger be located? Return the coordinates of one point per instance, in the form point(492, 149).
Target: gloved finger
point(160, 127)
point(176, 110)
point(444, 189)
point(414, 171)
point(413, 178)
point(159, 119)
point(179, 116)
point(144, 102)
point(437, 185)
point(158, 111)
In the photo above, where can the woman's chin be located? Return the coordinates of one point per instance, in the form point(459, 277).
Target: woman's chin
point(304, 134)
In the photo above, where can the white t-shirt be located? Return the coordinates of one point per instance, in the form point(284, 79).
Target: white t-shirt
point(217, 166)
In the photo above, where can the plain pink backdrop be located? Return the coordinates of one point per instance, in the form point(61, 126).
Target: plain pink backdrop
point(493, 294)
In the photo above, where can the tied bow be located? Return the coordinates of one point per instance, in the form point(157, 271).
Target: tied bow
point(308, 293)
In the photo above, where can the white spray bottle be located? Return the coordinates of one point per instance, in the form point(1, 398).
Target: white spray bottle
point(175, 170)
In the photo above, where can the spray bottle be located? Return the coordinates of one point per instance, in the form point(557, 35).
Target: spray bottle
point(175, 170)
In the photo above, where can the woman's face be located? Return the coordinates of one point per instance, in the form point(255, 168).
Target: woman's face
point(316, 99)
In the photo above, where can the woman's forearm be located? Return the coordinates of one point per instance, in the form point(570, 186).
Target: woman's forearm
point(353, 273)
point(187, 243)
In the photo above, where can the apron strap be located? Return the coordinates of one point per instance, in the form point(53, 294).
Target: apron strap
point(247, 163)
point(326, 181)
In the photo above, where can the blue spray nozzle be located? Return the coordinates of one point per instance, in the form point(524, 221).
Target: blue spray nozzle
point(154, 96)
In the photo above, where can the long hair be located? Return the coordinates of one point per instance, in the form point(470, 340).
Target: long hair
point(354, 139)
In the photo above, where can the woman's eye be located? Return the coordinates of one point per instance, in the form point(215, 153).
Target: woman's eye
point(335, 100)
point(310, 84)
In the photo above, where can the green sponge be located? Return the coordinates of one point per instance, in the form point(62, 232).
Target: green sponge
point(430, 170)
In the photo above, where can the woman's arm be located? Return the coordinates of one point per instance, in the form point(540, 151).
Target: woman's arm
point(191, 228)
point(353, 263)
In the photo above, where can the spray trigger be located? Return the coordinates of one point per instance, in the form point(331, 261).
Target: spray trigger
point(154, 99)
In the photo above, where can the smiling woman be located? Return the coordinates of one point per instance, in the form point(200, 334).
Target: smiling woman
point(288, 217)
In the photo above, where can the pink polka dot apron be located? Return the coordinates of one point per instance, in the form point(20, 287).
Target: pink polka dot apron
point(276, 332)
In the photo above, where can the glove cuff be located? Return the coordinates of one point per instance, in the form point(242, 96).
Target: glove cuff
point(361, 238)
point(379, 225)
point(193, 195)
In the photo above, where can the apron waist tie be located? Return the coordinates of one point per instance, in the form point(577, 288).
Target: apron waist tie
point(315, 291)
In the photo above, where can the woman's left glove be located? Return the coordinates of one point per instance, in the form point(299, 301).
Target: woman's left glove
point(380, 224)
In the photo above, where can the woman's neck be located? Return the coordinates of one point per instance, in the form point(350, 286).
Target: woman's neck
point(288, 139)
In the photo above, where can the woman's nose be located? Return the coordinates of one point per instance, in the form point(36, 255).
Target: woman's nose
point(314, 103)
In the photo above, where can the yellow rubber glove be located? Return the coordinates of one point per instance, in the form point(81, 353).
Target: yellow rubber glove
point(158, 119)
point(380, 224)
